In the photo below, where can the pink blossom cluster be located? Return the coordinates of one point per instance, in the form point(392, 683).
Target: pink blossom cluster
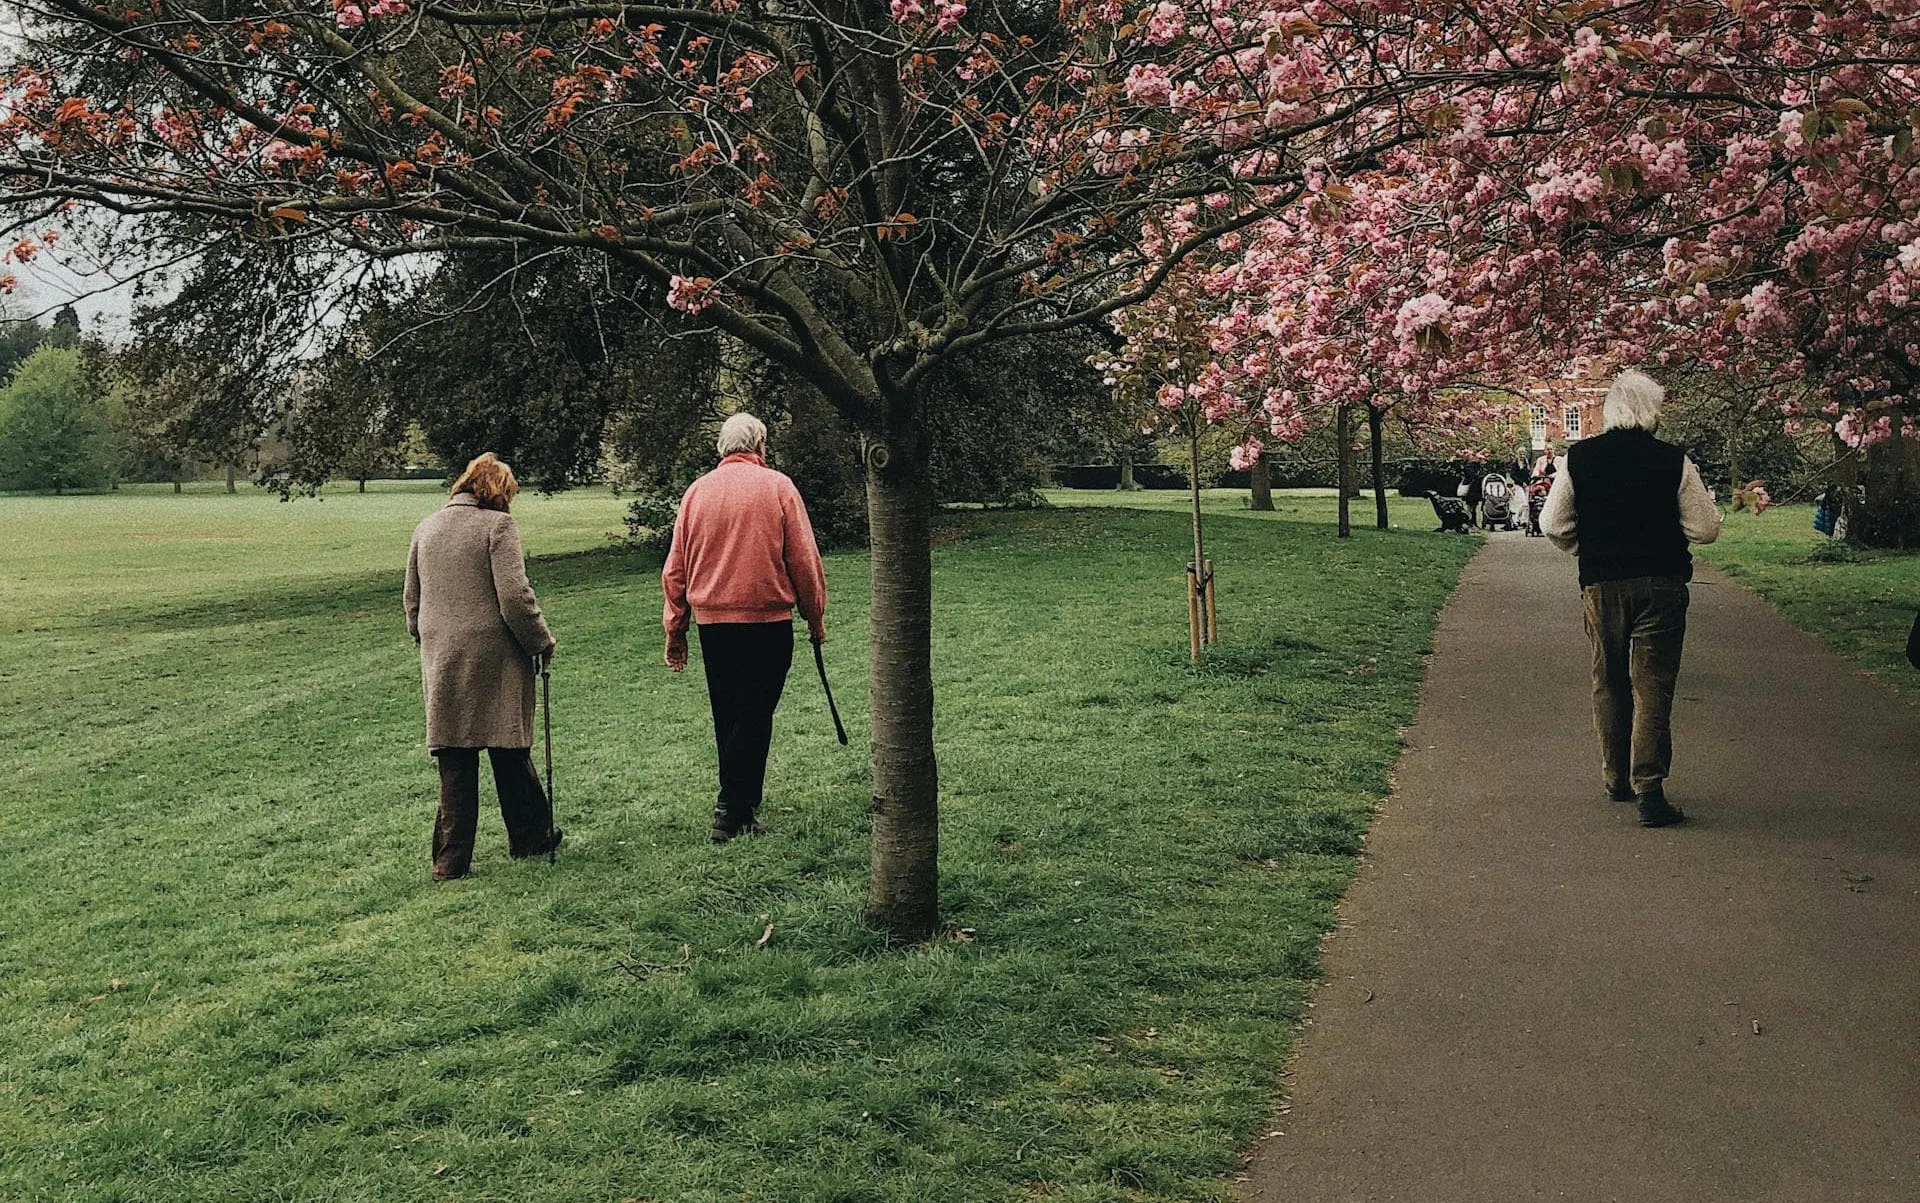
point(358, 12)
point(947, 14)
point(690, 294)
point(348, 14)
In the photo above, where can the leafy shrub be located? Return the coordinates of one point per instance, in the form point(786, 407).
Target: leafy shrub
point(649, 521)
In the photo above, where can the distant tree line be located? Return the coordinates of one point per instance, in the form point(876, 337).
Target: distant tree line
point(570, 373)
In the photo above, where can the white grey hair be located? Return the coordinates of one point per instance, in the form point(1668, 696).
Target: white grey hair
point(742, 434)
point(1634, 401)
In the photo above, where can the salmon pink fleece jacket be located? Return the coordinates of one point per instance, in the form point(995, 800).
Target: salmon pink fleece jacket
point(743, 551)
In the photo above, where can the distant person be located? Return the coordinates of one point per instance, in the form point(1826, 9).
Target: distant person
point(1471, 493)
point(1628, 504)
point(1546, 467)
point(471, 610)
point(743, 560)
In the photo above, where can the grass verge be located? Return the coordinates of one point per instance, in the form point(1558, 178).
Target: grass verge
point(1862, 602)
point(224, 975)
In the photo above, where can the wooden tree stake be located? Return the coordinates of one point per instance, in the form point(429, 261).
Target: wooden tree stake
point(1193, 614)
point(1213, 615)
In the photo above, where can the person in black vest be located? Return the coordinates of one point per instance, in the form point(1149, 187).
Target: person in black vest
point(1628, 504)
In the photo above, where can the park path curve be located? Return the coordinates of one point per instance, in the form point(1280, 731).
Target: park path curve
point(1530, 997)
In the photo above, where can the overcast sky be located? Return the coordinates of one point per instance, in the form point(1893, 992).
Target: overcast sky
point(55, 278)
point(49, 282)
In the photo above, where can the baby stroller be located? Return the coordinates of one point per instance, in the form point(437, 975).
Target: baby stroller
point(1496, 502)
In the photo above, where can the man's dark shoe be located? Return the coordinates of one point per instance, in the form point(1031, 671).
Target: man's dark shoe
point(1621, 793)
point(727, 825)
point(1656, 811)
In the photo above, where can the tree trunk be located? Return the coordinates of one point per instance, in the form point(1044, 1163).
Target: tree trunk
point(1891, 515)
point(1849, 523)
point(1193, 492)
point(1198, 636)
point(1126, 470)
point(1733, 458)
point(903, 895)
point(1343, 446)
point(231, 470)
point(1376, 421)
point(1262, 482)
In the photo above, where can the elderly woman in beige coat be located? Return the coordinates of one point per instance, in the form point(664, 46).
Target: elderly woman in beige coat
point(471, 610)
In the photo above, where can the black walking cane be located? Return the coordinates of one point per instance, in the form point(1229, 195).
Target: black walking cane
point(820, 662)
point(546, 715)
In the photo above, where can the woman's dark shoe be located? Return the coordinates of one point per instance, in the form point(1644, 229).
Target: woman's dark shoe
point(545, 849)
point(1656, 811)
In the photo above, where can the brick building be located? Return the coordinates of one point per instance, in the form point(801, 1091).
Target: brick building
point(1568, 408)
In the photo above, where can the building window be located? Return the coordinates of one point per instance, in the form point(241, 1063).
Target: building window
point(1570, 418)
point(1537, 425)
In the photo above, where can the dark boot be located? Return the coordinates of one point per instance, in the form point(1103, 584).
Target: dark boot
point(1656, 811)
point(545, 848)
point(1621, 793)
point(727, 824)
point(524, 805)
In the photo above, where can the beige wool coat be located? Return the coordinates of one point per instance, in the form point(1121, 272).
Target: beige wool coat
point(471, 609)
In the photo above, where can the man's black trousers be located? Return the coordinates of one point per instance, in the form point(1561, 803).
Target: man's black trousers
point(746, 664)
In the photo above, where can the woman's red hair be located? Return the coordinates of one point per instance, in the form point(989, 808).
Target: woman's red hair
point(489, 480)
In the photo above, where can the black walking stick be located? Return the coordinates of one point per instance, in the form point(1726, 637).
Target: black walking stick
point(546, 715)
point(820, 662)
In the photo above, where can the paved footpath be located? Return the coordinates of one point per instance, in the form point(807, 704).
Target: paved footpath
point(1530, 997)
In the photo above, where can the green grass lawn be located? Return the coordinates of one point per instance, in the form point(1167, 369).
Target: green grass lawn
point(224, 975)
point(1862, 602)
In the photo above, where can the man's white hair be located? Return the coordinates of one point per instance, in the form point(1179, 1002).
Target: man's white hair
point(1634, 401)
point(742, 434)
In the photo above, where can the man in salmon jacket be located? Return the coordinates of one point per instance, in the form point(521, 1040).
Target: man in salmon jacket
point(743, 561)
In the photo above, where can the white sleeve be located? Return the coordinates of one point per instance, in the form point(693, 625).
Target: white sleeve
point(1699, 517)
point(1558, 521)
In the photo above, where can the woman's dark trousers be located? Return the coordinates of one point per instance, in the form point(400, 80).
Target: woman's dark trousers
point(746, 664)
point(523, 804)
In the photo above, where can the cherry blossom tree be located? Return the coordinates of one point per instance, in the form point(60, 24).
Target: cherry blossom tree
point(1732, 187)
point(1338, 306)
point(1726, 186)
point(1166, 367)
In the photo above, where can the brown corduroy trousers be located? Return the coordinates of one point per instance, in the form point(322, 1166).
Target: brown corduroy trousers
point(1637, 628)
point(523, 804)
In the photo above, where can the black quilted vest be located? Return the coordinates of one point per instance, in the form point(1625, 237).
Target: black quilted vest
point(1626, 495)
